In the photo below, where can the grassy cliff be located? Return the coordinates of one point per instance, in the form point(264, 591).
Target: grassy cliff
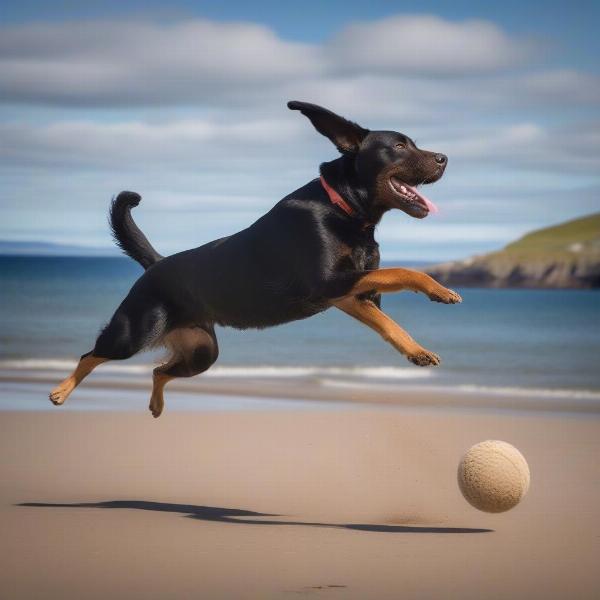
point(563, 256)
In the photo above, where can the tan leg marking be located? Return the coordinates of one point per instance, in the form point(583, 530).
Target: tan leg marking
point(157, 401)
point(181, 342)
point(396, 279)
point(86, 365)
point(366, 312)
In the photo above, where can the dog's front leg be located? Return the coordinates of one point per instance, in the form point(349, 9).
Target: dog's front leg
point(396, 279)
point(368, 313)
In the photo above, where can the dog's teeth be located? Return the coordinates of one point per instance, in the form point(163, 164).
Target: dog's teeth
point(403, 189)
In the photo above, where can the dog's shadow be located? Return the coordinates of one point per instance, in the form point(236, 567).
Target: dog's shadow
point(247, 517)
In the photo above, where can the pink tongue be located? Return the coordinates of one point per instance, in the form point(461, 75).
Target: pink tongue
point(430, 205)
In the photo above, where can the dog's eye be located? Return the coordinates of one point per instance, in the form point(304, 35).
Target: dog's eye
point(400, 146)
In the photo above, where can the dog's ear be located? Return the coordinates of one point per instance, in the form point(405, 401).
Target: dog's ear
point(346, 135)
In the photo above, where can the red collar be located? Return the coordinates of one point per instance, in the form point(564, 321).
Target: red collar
point(336, 198)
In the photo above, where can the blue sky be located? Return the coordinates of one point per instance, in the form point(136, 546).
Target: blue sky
point(185, 103)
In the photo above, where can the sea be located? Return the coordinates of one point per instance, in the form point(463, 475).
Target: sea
point(518, 342)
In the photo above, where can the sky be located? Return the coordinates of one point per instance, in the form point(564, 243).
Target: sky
point(185, 103)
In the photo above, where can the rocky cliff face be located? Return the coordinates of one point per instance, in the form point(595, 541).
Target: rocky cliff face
point(564, 256)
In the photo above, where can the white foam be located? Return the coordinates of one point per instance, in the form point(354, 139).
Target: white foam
point(581, 394)
point(245, 371)
point(38, 363)
point(262, 371)
point(42, 364)
point(382, 377)
point(382, 372)
point(513, 392)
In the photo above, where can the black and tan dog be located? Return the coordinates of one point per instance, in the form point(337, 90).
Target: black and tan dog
point(313, 250)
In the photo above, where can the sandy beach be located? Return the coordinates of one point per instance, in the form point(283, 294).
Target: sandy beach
point(332, 500)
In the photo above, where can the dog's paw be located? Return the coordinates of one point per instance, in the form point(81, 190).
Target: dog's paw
point(156, 405)
point(424, 358)
point(59, 394)
point(446, 296)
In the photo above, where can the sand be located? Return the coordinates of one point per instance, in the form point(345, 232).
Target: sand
point(354, 501)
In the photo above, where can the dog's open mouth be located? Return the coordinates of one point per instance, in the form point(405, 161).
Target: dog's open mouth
point(413, 198)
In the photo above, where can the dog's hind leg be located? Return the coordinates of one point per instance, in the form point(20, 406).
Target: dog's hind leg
point(369, 314)
point(194, 350)
point(86, 365)
point(130, 330)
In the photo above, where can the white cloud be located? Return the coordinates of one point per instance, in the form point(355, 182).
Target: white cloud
point(417, 67)
point(100, 63)
point(425, 45)
point(125, 63)
point(243, 147)
point(561, 86)
point(567, 149)
point(187, 144)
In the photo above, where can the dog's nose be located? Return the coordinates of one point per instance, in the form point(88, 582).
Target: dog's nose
point(441, 159)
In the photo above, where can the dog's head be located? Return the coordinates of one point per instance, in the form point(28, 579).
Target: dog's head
point(388, 164)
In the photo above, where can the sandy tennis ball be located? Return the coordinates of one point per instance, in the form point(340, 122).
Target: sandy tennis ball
point(493, 476)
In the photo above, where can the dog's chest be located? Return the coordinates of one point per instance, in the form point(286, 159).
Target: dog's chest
point(358, 256)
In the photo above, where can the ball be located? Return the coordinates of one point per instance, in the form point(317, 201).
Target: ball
point(493, 476)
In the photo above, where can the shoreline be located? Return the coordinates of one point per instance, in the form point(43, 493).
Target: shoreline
point(366, 393)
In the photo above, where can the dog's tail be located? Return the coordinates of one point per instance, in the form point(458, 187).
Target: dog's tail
point(127, 234)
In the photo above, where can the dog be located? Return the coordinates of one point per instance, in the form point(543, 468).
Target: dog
point(315, 249)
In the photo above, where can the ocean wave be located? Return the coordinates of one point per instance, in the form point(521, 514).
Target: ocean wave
point(581, 394)
point(241, 371)
point(43, 364)
point(388, 373)
point(470, 389)
point(358, 377)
